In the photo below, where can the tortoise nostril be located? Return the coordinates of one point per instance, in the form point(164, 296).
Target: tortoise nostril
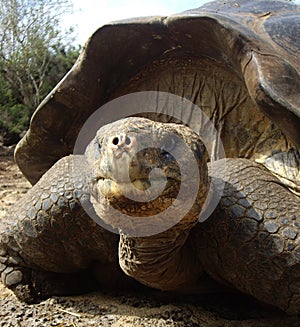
point(115, 141)
point(127, 140)
point(121, 141)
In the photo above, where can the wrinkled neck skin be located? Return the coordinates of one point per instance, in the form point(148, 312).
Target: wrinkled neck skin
point(166, 260)
point(163, 261)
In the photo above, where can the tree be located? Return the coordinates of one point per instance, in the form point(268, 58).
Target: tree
point(34, 55)
point(29, 39)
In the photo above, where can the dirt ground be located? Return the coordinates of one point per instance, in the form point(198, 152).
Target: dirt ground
point(141, 308)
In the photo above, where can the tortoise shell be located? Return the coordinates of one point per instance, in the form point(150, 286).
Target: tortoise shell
point(238, 59)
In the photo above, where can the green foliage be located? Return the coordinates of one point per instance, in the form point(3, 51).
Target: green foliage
point(15, 115)
point(13, 121)
point(34, 55)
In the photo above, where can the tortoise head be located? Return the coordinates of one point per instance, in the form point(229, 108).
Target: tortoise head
point(138, 169)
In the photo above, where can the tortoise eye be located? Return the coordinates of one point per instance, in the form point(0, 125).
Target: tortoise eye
point(168, 144)
point(97, 148)
point(127, 140)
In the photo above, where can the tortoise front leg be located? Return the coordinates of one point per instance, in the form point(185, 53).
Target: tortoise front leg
point(252, 242)
point(48, 244)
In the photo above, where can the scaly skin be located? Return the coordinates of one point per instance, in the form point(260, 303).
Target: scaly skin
point(48, 243)
point(252, 241)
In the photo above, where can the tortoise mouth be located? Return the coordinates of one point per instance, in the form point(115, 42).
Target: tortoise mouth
point(139, 189)
point(139, 198)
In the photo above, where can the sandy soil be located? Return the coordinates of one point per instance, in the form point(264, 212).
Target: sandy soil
point(123, 309)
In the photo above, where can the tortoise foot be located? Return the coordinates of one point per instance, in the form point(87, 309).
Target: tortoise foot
point(11, 271)
point(39, 285)
point(33, 286)
point(17, 279)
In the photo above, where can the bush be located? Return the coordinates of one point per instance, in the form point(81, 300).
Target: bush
point(14, 120)
point(14, 114)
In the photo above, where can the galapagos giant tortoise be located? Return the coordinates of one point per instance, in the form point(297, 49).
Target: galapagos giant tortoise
point(238, 61)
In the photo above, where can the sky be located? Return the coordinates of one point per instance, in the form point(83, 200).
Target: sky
point(91, 14)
